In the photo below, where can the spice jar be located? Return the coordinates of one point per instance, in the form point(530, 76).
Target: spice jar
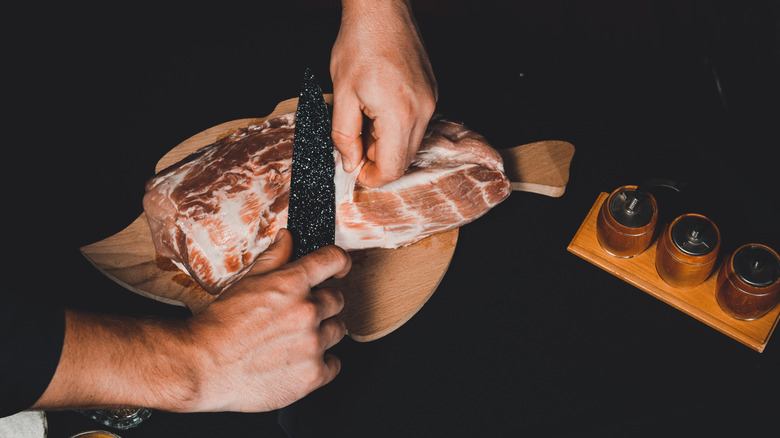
point(687, 250)
point(748, 284)
point(626, 222)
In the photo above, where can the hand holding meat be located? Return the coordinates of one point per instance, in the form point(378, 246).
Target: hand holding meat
point(259, 347)
point(263, 342)
point(380, 70)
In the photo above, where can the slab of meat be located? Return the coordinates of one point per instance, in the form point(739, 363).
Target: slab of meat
point(215, 211)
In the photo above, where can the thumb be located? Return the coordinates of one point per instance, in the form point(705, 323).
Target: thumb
point(276, 256)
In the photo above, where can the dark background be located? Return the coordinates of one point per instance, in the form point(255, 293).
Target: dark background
point(521, 338)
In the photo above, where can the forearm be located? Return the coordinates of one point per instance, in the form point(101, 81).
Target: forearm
point(362, 6)
point(122, 362)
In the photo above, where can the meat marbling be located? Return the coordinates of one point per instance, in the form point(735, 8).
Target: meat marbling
point(215, 211)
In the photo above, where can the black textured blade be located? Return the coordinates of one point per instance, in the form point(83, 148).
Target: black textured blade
point(312, 210)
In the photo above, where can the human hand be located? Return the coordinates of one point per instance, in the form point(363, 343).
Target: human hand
point(258, 347)
point(264, 339)
point(380, 72)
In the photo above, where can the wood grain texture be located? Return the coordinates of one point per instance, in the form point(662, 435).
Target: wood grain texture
point(384, 289)
point(404, 284)
point(129, 258)
point(698, 302)
point(541, 167)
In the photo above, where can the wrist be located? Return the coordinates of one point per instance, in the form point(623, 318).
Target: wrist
point(170, 367)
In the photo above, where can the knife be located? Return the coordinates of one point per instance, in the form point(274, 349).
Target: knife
point(311, 214)
point(312, 209)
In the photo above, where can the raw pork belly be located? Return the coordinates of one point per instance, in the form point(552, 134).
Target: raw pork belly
point(215, 211)
point(455, 178)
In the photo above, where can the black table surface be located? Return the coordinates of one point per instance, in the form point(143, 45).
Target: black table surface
point(521, 338)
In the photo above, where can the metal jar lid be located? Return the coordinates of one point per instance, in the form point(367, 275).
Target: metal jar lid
point(695, 235)
point(756, 265)
point(631, 208)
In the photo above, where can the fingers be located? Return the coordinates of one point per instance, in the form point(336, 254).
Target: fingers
point(390, 154)
point(387, 129)
point(326, 370)
point(276, 256)
point(395, 136)
point(347, 126)
point(326, 262)
point(416, 136)
point(329, 302)
point(332, 368)
point(322, 264)
point(332, 331)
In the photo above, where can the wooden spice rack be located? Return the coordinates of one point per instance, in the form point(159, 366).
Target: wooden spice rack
point(698, 302)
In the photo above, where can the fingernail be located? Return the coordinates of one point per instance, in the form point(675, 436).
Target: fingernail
point(278, 236)
point(346, 164)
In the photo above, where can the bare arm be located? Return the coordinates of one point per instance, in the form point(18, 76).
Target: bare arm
point(380, 70)
point(258, 347)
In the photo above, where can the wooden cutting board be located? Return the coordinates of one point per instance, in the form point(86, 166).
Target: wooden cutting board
point(385, 287)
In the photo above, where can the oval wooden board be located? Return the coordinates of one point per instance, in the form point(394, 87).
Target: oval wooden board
point(385, 287)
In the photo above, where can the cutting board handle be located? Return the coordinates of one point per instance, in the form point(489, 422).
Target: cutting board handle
point(541, 167)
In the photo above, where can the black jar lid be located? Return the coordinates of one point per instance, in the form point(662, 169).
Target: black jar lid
point(756, 265)
point(694, 235)
point(631, 208)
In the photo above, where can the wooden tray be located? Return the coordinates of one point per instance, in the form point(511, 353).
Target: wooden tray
point(698, 302)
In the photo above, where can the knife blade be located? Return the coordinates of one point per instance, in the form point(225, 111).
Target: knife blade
point(312, 209)
point(311, 214)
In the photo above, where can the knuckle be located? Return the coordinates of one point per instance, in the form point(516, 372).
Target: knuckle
point(391, 173)
point(407, 113)
point(307, 313)
point(331, 298)
point(339, 257)
point(338, 297)
point(331, 256)
point(427, 108)
point(341, 138)
point(435, 90)
point(339, 327)
point(286, 280)
point(315, 376)
point(310, 345)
